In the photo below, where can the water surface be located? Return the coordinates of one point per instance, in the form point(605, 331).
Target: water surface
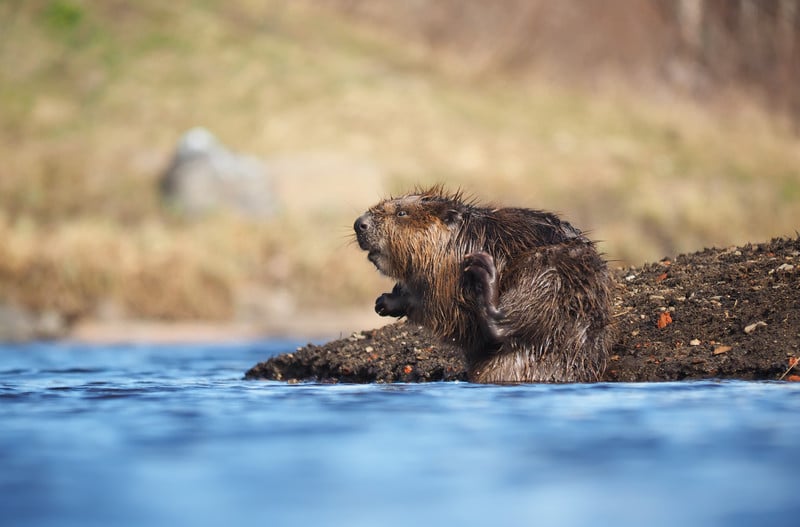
point(172, 435)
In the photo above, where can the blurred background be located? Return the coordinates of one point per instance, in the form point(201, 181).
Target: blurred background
point(203, 161)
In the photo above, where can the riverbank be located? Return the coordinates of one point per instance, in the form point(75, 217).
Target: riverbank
point(717, 313)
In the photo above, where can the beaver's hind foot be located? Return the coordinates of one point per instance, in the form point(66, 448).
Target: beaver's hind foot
point(480, 270)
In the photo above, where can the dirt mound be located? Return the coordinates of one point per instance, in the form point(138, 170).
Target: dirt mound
point(398, 352)
point(727, 313)
point(718, 313)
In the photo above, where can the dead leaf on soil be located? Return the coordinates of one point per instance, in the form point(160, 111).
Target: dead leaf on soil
point(664, 319)
point(722, 349)
point(793, 378)
point(661, 277)
point(407, 369)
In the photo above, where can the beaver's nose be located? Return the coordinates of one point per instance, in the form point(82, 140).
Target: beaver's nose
point(363, 223)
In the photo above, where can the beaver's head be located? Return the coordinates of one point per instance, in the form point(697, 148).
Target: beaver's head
point(407, 234)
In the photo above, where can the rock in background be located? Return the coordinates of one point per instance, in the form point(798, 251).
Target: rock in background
point(206, 177)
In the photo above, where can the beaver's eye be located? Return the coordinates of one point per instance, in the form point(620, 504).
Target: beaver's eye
point(401, 213)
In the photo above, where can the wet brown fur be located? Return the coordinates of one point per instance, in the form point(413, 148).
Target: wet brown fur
point(523, 293)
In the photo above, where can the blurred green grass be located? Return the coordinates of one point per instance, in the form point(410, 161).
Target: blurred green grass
point(93, 97)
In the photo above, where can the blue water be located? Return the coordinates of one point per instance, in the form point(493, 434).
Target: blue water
point(172, 435)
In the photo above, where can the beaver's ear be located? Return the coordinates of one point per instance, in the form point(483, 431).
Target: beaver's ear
point(451, 216)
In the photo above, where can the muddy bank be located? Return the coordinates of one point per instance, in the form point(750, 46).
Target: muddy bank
point(718, 313)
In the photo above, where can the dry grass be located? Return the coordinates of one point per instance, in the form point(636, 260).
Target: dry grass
point(93, 96)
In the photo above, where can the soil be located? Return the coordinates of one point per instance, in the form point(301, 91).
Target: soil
point(718, 313)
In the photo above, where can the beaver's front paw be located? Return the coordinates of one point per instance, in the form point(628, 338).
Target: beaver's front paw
point(391, 305)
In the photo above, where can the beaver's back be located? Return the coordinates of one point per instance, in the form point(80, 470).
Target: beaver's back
point(507, 232)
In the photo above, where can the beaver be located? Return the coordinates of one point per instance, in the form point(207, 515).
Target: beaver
point(524, 294)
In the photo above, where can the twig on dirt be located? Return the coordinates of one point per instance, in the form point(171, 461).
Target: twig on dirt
point(792, 363)
point(625, 312)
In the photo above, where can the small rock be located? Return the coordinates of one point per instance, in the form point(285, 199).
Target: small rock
point(694, 342)
point(369, 349)
point(722, 349)
point(754, 326)
point(785, 268)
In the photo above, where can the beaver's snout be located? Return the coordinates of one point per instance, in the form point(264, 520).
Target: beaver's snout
point(364, 227)
point(363, 223)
